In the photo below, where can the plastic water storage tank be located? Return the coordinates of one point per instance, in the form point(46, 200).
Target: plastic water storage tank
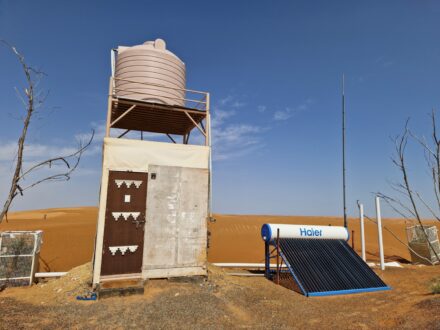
point(152, 64)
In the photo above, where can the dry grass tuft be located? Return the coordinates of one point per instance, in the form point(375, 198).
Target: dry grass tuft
point(435, 285)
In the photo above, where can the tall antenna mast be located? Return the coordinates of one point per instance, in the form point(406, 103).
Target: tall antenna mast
point(343, 151)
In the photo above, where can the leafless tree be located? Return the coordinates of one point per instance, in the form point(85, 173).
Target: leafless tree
point(407, 203)
point(32, 99)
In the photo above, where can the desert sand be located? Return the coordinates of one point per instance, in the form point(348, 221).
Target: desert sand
point(69, 234)
point(236, 238)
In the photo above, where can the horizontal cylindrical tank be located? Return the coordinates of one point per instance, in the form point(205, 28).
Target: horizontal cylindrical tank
point(269, 232)
point(151, 73)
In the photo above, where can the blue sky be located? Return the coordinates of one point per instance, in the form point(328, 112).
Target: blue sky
point(273, 70)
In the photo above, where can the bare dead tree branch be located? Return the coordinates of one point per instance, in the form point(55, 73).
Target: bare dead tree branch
point(398, 187)
point(427, 206)
point(394, 204)
point(63, 176)
point(432, 157)
point(32, 99)
point(422, 141)
point(436, 192)
point(394, 201)
point(401, 144)
point(399, 160)
point(436, 169)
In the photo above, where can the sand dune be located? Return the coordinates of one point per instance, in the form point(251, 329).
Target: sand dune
point(236, 238)
point(69, 235)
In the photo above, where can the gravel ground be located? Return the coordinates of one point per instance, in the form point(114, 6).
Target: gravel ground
point(226, 302)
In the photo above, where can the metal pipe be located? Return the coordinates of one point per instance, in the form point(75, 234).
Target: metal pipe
point(379, 233)
point(31, 279)
point(362, 231)
point(343, 152)
point(278, 256)
point(171, 138)
point(109, 109)
point(208, 142)
point(266, 260)
point(121, 135)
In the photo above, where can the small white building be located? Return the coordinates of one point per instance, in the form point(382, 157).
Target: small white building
point(155, 195)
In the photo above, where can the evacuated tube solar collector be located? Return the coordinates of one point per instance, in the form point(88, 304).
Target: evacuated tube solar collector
point(318, 259)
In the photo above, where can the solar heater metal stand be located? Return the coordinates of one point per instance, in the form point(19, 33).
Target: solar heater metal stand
point(266, 260)
point(268, 273)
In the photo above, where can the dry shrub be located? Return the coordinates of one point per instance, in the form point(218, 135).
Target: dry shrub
point(435, 285)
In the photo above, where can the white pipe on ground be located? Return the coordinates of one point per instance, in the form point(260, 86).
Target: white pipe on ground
point(379, 233)
point(241, 265)
point(50, 274)
point(362, 225)
point(245, 274)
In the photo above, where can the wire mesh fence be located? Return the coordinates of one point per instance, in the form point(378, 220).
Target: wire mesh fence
point(425, 246)
point(19, 251)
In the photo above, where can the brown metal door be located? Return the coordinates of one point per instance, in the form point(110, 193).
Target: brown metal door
point(124, 223)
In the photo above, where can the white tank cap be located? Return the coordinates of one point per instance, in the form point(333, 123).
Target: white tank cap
point(160, 44)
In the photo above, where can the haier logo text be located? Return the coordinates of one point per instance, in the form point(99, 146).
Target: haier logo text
point(310, 232)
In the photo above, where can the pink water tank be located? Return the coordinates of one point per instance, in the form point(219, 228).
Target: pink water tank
point(150, 72)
